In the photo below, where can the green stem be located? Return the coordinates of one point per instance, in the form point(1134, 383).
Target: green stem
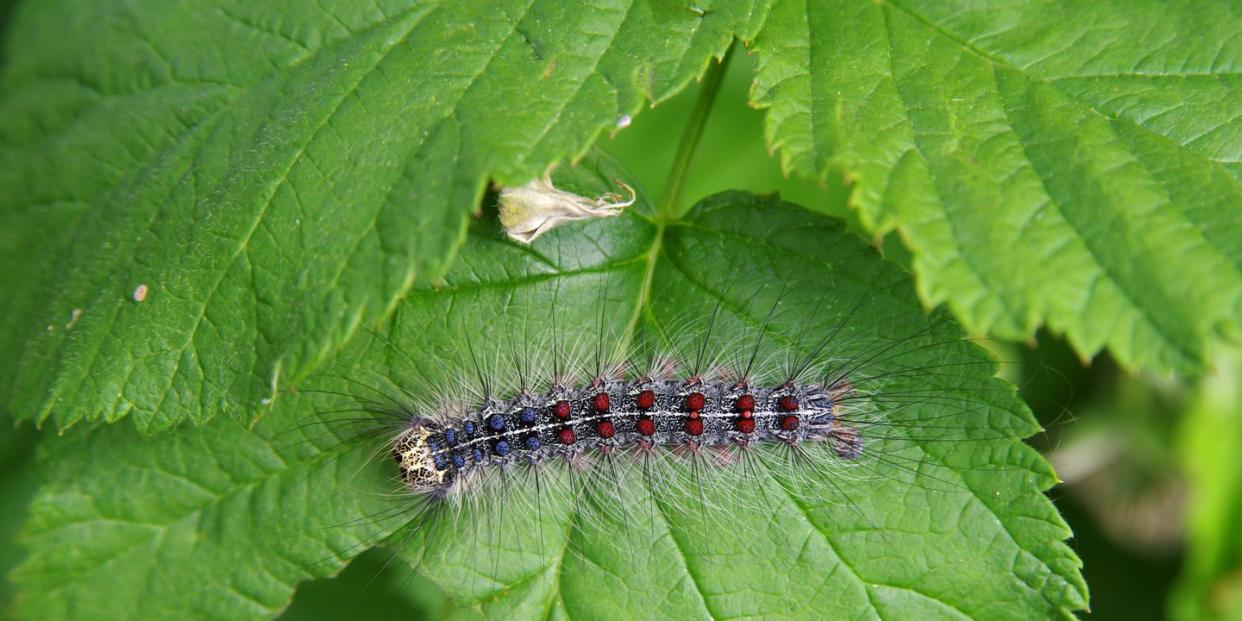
point(670, 202)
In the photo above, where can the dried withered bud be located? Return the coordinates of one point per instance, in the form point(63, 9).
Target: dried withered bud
point(530, 210)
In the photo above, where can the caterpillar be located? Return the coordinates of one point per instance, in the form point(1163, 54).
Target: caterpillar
point(612, 414)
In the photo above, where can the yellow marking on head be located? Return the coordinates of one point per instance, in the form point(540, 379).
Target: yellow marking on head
point(418, 469)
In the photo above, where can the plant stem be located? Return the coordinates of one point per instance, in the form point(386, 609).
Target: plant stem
point(669, 206)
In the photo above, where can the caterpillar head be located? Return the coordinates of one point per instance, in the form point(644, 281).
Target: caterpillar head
point(413, 452)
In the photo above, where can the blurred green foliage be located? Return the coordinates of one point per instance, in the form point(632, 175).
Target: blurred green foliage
point(1209, 446)
point(730, 156)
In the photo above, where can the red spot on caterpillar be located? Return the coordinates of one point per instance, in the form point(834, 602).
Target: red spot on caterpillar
point(694, 426)
point(600, 402)
point(645, 426)
point(645, 400)
point(605, 429)
point(694, 413)
point(746, 414)
point(745, 403)
point(695, 401)
point(745, 425)
point(561, 410)
point(788, 404)
point(789, 423)
point(567, 435)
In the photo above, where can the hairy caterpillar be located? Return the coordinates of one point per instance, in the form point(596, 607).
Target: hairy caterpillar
point(611, 414)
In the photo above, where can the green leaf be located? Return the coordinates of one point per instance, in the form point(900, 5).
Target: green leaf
point(1075, 164)
point(216, 522)
point(277, 174)
point(952, 523)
